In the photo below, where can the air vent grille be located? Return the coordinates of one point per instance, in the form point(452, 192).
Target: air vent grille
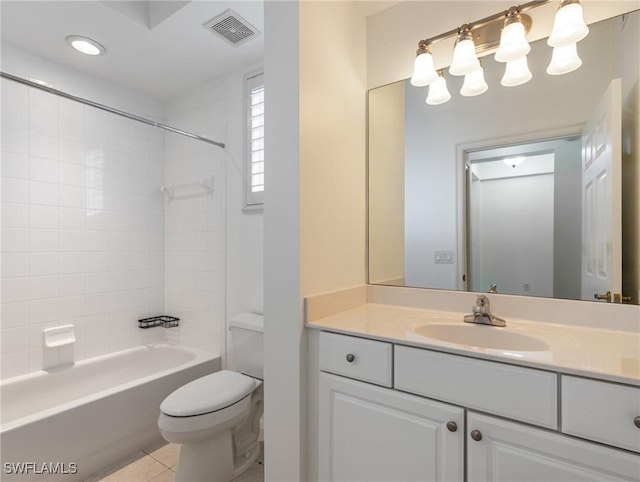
point(233, 28)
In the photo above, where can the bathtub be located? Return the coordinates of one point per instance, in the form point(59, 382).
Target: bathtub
point(78, 420)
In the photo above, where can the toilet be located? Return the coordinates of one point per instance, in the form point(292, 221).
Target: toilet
point(216, 418)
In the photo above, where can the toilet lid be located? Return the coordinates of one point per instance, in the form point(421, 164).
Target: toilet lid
point(208, 394)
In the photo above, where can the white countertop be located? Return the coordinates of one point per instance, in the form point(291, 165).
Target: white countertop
point(590, 352)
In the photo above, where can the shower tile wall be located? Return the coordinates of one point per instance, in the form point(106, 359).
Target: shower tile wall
point(82, 226)
point(195, 226)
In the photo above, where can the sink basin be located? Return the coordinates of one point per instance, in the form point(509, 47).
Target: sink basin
point(481, 336)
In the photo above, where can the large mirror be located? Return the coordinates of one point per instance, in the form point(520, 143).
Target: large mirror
point(529, 190)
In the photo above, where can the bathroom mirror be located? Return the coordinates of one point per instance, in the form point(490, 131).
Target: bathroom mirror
point(485, 193)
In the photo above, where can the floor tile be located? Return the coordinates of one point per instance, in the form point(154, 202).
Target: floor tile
point(166, 476)
point(142, 470)
point(167, 455)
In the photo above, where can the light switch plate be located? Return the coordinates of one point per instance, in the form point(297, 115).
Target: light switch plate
point(443, 257)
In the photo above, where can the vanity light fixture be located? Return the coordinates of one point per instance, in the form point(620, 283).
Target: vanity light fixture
point(465, 59)
point(513, 39)
point(505, 33)
point(438, 92)
point(568, 25)
point(474, 83)
point(85, 45)
point(423, 70)
point(564, 59)
point(516, 73)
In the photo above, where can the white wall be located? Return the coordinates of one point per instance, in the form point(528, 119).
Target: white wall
point(245, 230)
point(82, 227)
point(315, 204)
point(514, 235)
point(332, 152)
point(284, 344)
point(195, 226)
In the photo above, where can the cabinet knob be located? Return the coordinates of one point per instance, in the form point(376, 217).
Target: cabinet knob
point(350, 357)
point(636, 422)
point(452, 426)
point(476, 435)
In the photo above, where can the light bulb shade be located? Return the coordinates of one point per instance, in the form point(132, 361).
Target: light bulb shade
point(513, 43)
point(464, 58)
point(564, 59)
point(438, 92)
point(516, 73)
point(568, 26)
point(423, 70)
point(514, 161)
point(474, 83)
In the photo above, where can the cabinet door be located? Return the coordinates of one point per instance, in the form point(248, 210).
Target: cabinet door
point(511, 452)
point(373, 434)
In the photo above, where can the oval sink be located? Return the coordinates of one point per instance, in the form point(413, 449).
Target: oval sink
point(481, 336)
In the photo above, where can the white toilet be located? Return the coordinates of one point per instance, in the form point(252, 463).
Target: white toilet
point(216, 418)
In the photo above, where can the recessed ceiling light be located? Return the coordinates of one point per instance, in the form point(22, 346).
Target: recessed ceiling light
point(85, 45)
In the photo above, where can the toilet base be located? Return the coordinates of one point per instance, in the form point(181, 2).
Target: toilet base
point(210, 460)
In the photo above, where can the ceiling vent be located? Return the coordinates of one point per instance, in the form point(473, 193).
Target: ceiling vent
point(232, 27)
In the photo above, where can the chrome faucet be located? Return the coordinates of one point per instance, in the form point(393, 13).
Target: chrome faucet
point(482, 314)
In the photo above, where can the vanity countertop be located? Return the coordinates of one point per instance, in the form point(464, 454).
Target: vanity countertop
point(603, 354)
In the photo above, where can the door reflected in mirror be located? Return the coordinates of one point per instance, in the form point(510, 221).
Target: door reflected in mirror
point(529, 190)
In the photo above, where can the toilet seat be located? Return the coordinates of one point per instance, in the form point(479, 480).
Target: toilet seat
point(208, 394)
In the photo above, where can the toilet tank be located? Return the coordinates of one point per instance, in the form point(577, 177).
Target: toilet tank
point(246, 340)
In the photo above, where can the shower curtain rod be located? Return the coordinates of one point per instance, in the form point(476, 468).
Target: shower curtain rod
point(106, 108)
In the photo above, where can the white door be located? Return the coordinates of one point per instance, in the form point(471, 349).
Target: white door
point(601, 197)
point(374, 434)
point(512, 452)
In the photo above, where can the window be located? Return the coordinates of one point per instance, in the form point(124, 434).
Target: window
point(254, 157)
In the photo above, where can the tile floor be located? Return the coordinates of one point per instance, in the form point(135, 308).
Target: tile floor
point(159, 465)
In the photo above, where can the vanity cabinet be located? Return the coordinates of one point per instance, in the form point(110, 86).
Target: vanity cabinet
point(390, 413)
point(374, 434)
point(503, 451)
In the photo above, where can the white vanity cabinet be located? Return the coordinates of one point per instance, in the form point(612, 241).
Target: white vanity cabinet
point(503, 451)
point(370, 433)
point(374, 434)
point(393, 413)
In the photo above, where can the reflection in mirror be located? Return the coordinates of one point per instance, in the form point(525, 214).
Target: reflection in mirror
point(446, 211)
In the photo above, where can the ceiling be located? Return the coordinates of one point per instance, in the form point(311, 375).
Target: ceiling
point(165, 62)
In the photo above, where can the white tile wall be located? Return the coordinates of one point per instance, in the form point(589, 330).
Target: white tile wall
point(82, 226)
point(195, 227)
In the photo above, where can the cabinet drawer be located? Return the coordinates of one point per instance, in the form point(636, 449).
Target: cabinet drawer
point(366, 360)
point(508, 391)
point(601, 411)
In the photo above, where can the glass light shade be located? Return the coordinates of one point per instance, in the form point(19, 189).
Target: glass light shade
point(474, 83)
point(465, 60)
point(438, 92)
point(564, 59)
point(516, 73)
point(423, 70)
point(568, 26)
point(514, 161)
point(513, 43)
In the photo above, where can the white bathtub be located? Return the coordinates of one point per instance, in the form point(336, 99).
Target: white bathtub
point(88, 416)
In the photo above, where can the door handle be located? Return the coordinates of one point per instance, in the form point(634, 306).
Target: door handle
point(600, 296)
point(620, 298)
